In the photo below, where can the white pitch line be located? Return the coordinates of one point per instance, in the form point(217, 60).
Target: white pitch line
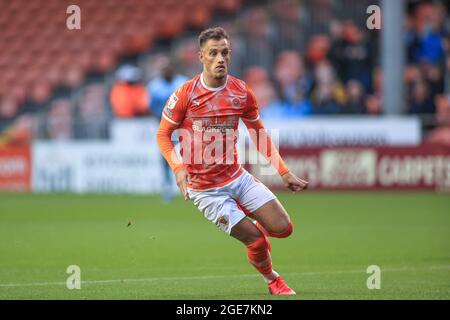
point(61, 283)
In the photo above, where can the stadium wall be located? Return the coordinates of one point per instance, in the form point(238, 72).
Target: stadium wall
point(423, 167)
point(130, 161)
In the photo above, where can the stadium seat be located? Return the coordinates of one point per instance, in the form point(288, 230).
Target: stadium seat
point(46, 54)
point(8, 107)
point(199, 18)
point(104, 61)
point(18, 92)
point(228, 5)
point(40, 91)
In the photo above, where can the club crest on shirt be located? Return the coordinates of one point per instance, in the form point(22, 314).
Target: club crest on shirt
point(172, 101)
point(236, 102)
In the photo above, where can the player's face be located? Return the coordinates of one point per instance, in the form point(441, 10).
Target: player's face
point(215, 56)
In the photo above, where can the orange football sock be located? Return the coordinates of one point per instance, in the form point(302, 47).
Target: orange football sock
point(259, 256)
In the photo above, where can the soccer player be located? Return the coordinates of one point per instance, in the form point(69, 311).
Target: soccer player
point(206, 111)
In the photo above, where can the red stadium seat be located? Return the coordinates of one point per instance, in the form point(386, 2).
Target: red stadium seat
point(40, 91)
point(199, 18)
point(228, 5)
point(170, 24)
point(82, 60)
point(73, 76)
point(18, 92)
point(137, 43)
point(53, 75)
point(8, 107)
point(104, 61)
point(45, 53)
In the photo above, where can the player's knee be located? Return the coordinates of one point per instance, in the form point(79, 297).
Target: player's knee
point(289, 230)
point(284, 231)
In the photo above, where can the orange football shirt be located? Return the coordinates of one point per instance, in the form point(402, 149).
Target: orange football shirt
point(207, 120)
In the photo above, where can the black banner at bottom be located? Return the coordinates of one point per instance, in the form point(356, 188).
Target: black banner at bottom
point(213, 309)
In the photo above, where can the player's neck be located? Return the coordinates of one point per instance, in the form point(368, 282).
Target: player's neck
point(211, 82)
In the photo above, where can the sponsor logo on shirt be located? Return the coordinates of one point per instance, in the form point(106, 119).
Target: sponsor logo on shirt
point(209, 126)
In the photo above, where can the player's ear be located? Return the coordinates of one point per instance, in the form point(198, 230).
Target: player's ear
point(200, 55)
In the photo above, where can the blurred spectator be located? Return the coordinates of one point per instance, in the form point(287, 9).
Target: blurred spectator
point(412, 74)
point(270, 107)
point(268, 103)
point(318, 48)
point(433, 74)
point(443, 110)
point(441, 134)
point(294, 83)
point(255, 76)
point(424, 40)
point(355, 98)
point(129, 97)
point(161, 87)
point(374, 100)
point(351, 55)
point(447, 74)
point(59, 120)
point(421, 101)
point(328, 95)
point(160, 90)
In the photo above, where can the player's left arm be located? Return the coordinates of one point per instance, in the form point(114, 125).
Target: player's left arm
point(265, 146)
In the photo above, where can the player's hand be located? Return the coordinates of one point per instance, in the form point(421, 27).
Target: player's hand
point(182, 177)
point(294, 183)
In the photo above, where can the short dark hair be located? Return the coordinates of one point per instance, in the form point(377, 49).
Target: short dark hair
point(217, 33)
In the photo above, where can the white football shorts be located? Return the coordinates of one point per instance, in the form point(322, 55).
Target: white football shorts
point(221, 205)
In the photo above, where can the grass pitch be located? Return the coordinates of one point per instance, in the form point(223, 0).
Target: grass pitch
point(172, 252)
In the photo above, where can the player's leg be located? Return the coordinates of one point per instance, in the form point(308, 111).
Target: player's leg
point(245, 231)
point(254, 198)
point(222, 210)
point(258, 247)
point(259, 203)
point(258, 253)
point(273, 220)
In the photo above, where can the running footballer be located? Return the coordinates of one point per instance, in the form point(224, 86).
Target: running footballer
point(206, 111)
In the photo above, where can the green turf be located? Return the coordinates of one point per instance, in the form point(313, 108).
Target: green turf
point(172, 252)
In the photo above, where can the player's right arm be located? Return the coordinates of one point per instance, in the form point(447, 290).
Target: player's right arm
point(172, 116)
